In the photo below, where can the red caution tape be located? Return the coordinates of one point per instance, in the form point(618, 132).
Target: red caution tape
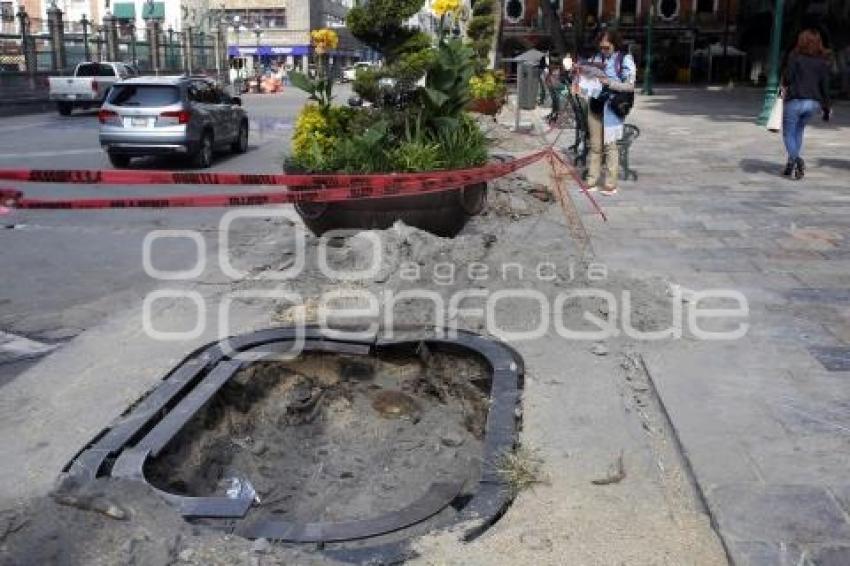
point(300, 188)
point(123, 177)
point(310, 188)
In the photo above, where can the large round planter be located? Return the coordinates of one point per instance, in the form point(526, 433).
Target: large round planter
point(442, 213)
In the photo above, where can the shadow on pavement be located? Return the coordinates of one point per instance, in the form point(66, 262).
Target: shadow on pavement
point(761, 166)
point(716, 105)
point(834, 163)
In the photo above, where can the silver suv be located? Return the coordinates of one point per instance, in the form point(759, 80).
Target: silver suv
point(170, 115)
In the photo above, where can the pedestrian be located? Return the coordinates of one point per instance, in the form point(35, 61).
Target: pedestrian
point(541, 80)
point(553, 84)
point(805, 85)
point(604, 119)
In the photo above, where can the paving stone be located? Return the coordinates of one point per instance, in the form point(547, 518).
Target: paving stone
point(833, 358)
point(842, 494)
point(829, 556)
point(753, 553)
point(821, 295)
point(776, 513)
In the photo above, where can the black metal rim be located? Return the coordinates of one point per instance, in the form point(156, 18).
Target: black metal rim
point(123, 448)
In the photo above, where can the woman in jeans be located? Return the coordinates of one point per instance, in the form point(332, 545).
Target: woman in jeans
point(604, 126)
point(806, 90)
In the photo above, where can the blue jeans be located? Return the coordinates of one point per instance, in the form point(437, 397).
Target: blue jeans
point(795, 114)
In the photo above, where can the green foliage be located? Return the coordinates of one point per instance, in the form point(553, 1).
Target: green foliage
point(412, 156)
point(430, 132)
point(481, 31)
point(463, 145)
point(488, 85)
point(446, 90)
point(380, 25)
point(372, 141)
point(320, 89)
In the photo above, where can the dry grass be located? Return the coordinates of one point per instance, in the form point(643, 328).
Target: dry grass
point(522, 469)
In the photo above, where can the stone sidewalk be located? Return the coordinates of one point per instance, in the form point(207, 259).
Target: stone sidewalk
point(764, 421)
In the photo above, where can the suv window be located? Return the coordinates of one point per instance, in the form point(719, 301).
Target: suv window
point(203, 92)
point(147, 96)
point(95, 70)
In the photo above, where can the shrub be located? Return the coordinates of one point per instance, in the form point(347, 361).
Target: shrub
point(488, 85)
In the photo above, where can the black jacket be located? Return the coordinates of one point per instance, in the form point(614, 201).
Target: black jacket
point(807, 77)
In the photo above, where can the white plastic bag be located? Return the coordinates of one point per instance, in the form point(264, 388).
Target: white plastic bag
point(774, 122)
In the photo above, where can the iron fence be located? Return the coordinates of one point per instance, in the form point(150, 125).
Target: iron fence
point(32, 48)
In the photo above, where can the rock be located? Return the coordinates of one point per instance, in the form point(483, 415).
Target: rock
point(451, 439)
point(536, 541)
point(517, 205)
point(261, 546)
point(259, 448)
point(599, 349)
point(186, 554)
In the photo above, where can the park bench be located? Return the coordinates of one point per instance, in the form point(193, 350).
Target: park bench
point(581, 143)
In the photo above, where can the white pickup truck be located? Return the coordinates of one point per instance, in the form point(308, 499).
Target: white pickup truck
point(88, 85)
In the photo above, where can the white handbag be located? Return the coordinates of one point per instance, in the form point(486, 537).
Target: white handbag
point(774, 122)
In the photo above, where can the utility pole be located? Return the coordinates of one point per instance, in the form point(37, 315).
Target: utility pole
point(772, 88)
point(647, 72)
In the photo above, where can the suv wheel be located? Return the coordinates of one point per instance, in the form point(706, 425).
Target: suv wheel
point(204, 155)
point(64, 108)
point(241, 143)
point(119, 161)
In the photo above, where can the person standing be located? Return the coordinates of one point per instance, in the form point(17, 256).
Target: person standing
point(605, 126)
point(542, 68)
point(805, 84)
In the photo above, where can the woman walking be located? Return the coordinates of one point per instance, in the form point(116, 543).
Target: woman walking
point(605, 125)
point(806, 90)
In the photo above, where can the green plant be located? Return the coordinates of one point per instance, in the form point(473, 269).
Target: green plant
point(446, 90)
point(488, 85)
point(463, 144)
point(481, 32)
point(319, 89)
point(420, 155)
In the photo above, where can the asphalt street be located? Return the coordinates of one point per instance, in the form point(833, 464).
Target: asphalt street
point(64, 272)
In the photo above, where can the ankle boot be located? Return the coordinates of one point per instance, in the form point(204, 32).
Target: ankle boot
point(789, 168)
point(799, 168)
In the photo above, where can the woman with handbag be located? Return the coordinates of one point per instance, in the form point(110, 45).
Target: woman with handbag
point(607, 111)
point(806, 90)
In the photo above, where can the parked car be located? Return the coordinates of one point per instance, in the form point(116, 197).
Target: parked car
point(88, 86)
point(188, 116)
point(349, 74)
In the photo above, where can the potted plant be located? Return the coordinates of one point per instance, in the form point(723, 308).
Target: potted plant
point(488, 92)
point(409, 128)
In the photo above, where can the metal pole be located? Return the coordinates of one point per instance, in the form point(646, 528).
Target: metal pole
point(647, 73)
point(519, 81)
point(132, 25)
point(726, 43)
point(85, 23)
point(772, 87)
point(27, 43)
point(57, 38)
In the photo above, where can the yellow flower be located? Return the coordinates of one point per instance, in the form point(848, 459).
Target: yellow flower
point(324, 40)
point(443, 7)
point(311, 126)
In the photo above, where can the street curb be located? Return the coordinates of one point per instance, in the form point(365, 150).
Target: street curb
point(686, 461)
point(21, 108)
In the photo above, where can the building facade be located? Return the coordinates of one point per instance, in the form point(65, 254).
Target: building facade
point(277, 32)
point(684, 31)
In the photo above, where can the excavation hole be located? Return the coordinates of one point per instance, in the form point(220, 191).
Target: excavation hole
point(333, 437)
